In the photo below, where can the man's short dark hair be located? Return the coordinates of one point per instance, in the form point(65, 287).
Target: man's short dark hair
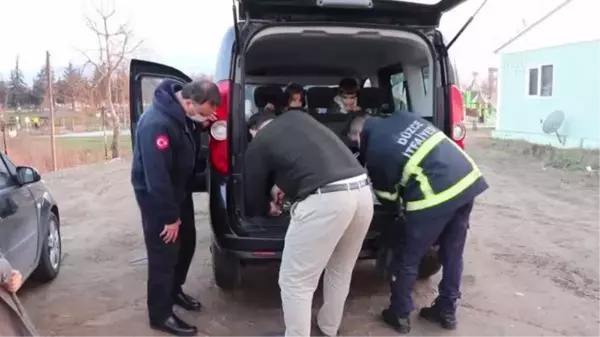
point(258, 119)
point(348, 86)
point(293, 89)
point(202, 91)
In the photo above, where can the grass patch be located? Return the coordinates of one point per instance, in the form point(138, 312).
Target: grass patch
point(93, 143)
point(566, 159)
point(35, 151)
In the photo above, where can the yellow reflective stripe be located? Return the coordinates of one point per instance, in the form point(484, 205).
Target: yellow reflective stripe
point(475, 168)
point(430, 198)
point(424, 184)
point(421, 152)
point(387, 195)
point(446, 195)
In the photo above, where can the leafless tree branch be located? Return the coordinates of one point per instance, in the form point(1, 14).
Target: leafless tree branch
point(114, 46)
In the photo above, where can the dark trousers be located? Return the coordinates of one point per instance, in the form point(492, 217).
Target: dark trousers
point(450, 232)
point(168, 264)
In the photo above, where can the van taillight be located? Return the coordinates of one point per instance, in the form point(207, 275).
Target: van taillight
point(217, 145)
point(457, 116)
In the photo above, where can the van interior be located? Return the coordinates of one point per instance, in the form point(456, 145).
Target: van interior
point(394, 69)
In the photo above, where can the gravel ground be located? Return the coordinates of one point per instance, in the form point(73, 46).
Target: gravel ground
point(531, 261)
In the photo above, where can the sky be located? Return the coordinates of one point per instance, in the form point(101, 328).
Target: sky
point(186, 34)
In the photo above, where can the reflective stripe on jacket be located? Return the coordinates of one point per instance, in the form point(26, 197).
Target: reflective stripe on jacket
point(411, 161)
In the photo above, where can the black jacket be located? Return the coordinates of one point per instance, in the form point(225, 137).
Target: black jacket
point(164, 156)
point(298, 154)
point(388, 144)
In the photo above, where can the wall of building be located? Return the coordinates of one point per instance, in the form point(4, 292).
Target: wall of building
point(575, 91)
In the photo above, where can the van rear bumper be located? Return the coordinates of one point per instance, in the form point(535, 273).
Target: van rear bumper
point(250, 249)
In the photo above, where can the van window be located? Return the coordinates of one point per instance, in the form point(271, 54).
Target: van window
point(399, 91)
point(5, 176)
point(250, 104)
point(149, 85)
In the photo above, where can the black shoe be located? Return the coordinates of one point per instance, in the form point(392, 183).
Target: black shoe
point(400, 324)
point(187, 302)
point(446, 317)
point(184, 323)
point(174, 326)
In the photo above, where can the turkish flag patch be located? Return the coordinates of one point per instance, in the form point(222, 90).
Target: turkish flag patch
point(162, 142)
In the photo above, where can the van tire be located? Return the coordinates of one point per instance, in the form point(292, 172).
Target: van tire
point(226, 269)
point(430, 264)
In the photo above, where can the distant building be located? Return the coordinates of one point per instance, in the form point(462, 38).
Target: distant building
point(552, 65)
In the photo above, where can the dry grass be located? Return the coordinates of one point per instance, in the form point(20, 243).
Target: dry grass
point(35, 151)
point(567, 159)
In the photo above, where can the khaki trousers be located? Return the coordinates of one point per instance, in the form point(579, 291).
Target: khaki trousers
point(326, 233)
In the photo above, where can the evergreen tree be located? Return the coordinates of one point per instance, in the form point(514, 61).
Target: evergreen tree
point(17, 88)
point(40, 87)
point(3, 93)
point(70, 85)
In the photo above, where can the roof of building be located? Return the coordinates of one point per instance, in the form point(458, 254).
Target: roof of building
point(536, 24)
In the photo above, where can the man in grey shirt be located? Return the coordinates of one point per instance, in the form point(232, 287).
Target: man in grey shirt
point(331, 214)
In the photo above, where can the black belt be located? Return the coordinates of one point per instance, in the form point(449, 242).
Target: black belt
point(343, 187)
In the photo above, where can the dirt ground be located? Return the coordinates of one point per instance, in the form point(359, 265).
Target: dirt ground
point(531, 261)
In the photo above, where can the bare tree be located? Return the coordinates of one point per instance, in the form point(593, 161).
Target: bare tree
point(114, 47)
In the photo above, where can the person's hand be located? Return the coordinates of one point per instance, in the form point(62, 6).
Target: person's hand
point(211, 119)
point(277, 195)
point(15, 281)
point(274, 209)
point(170, 232)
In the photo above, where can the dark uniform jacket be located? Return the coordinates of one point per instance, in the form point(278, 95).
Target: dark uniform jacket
point(164, 156)
point(411, 161)
point(298, 154)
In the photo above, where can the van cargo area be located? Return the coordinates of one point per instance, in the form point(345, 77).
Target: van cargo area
point(317, 57)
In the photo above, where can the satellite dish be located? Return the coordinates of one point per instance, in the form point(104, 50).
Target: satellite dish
point(553, 122)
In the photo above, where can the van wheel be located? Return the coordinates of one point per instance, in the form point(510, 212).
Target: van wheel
point(51, 255)
point(226, 269)
point(430, 264)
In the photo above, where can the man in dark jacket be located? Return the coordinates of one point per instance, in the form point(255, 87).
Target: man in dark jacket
point(419, 170)
point(332, 210)
point(164, 160)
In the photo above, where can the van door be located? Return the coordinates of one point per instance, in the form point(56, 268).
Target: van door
point(144, 78)
point(398, 12)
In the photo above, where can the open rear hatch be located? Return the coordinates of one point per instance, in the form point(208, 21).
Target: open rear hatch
point(421, 13)
point(393, 13)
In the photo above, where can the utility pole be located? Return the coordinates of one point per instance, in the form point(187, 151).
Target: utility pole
point(50, 103)
point(3, 122)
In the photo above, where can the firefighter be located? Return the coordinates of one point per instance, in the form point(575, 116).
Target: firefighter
point(433, 182)
point(164, 159)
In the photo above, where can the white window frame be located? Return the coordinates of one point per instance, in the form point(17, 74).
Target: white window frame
point(539, 81)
